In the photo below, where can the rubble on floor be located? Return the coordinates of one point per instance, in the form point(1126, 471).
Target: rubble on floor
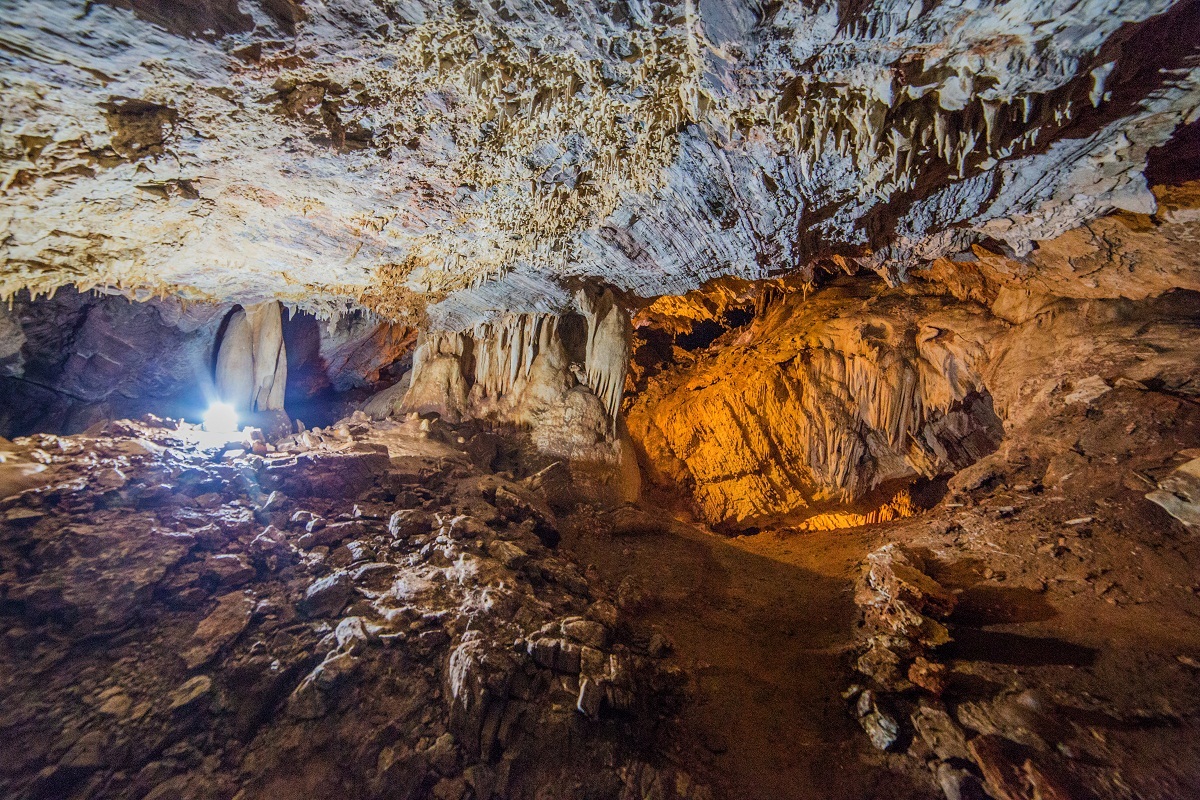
point(1034, 635)
point(359, 611)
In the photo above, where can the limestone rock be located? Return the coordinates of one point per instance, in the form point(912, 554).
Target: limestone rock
point(1179, 493)
point(941, 733)
point(327, 596)
point(251, 372)
point(226, 621)
point(416, 659)
point(819, 403)
point(652, 151)
point(190, 692)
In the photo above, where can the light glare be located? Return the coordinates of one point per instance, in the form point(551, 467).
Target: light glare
point(221, 418)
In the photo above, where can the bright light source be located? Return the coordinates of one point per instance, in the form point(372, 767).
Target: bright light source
point(221, 418)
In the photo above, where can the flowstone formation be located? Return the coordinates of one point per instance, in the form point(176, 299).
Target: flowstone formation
point(556, 379)
point(388, 154)
point(251, 370)
point(804, 400)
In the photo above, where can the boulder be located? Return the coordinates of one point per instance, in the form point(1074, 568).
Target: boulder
point(326, 597)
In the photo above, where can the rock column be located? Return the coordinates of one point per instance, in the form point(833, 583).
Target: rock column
point(252, 362)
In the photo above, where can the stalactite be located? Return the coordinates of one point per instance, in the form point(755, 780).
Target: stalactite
point(608, 343)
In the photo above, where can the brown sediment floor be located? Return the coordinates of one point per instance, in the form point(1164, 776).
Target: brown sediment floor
point(763, 626)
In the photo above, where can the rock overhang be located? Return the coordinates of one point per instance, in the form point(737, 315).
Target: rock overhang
point(478, 160)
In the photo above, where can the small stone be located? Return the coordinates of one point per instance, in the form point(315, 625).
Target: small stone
point(939, 730)
point(306, 701)
point(448, 788)
point(334, 670)
point(592, 661)
point(929, 675)
point(1088, 389)
point(881, 728)
point(275, 502)
point(568, 659)
point(223, 625)
point(229, 570)
point(958, 783)
point(408, 522)
point(586, 632)
point(507, 554)
point(190, 692)
point(604, 612)
point(349, 631)
point(327, 596)
point(23, 515)
point(108, 480)
point(481, 778)
point(116, 706)
point(442, 755)
point(87, 753)
point(544, 652)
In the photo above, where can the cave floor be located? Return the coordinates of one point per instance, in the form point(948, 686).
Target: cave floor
point(763, 626)
point(370, 604)
point(1075, 639)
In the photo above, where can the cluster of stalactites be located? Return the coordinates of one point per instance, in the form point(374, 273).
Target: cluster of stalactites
point(497, 358)
point(505, 350)
point(435, 343)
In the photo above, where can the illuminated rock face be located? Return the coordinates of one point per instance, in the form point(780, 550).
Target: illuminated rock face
point(251, 370)
point(482, 155)
point(819, 400)
point(824, 395)
point(81, 358)
point(558, 378)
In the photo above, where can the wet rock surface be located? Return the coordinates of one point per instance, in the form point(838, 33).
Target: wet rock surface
point(378, 618)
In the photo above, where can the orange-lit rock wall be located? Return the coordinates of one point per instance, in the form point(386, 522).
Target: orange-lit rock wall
point(827, 393)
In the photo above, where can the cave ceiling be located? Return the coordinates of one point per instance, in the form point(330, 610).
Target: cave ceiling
point(459, 159)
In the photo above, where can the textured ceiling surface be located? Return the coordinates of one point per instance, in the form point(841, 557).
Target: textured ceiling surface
point(479, 156)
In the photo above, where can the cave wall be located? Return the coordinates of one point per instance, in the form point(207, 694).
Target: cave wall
point(827, 394)
point(77, 358)
point(558, 379)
